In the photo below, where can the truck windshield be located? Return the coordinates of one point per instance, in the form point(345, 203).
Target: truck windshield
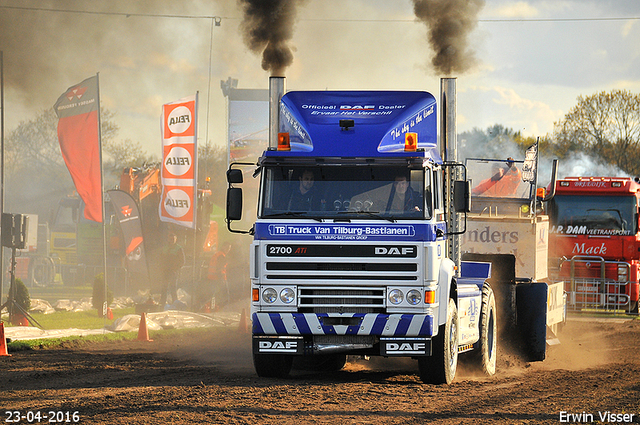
point(593, 215)
point(497, 179)
point(388, 193)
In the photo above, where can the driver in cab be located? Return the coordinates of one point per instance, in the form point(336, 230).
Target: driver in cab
point(304, 197)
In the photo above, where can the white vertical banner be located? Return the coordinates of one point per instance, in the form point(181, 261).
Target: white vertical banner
point(179, 162)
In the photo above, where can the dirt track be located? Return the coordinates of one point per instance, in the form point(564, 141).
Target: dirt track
point(209, 378)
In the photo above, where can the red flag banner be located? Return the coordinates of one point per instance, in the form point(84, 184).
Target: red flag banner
point(79, 138)
point(179, 162)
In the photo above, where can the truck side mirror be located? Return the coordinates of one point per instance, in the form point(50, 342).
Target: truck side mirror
point(234, 176)
point(234, 196)
point(462, 196)
point(234, 203)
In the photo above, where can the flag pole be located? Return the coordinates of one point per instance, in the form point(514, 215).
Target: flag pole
point(105, 305)
point(194, 283)
point(1, 166)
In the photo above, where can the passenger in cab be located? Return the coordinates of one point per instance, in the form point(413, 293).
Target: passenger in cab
point(403, 198)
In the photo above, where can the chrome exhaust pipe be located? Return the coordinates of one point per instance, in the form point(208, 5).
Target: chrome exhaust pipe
point(448, 117)
point(276, 91)
point(449, 154)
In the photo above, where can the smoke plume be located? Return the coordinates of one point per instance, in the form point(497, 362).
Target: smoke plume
point(267, 28)
point(449, 23)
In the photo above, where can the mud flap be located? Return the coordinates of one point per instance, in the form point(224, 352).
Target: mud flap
point(278, 345)
point(531, 305)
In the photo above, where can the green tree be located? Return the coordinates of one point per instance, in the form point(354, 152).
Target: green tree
point(118, 155)
point(36, 175)
point(605, 125)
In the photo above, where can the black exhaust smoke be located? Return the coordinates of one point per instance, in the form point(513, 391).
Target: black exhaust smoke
point(449, 23)
point(267, 27)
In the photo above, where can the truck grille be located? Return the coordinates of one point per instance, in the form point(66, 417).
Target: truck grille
point(318, 299)
point(404, 267)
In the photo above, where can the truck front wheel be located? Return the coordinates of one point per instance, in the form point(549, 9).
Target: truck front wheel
point(440, 367)
point(272, 365)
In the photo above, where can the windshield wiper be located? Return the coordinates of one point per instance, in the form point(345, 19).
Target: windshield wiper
point(291, 214)
point(372, 214)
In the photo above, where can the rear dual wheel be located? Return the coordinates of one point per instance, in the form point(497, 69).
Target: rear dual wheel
point(486, 351)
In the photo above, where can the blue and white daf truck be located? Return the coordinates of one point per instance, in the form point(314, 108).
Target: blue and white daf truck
point(353, 239)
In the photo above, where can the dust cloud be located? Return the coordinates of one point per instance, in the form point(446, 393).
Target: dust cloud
point(580, 348)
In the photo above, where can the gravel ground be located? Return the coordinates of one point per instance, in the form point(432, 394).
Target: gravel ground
point(208, 377)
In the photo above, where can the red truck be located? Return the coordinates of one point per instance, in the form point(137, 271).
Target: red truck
point(594, 242)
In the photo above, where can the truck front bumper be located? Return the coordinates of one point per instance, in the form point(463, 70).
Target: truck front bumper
point(380, 325)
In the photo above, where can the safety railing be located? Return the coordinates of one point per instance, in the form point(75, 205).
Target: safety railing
point(595, 284)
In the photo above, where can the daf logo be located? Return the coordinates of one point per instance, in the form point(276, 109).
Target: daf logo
point(404, 251)
point(406, 346)
point(278, 346)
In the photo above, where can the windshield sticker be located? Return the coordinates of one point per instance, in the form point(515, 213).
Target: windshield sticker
point(341, 232)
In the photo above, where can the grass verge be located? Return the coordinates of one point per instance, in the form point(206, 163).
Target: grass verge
point(83, 341)
point(68, 342)
point(80, 319)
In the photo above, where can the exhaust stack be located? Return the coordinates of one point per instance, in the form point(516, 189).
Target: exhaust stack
point(276, 91)
point(448, 131)
point(449, 154)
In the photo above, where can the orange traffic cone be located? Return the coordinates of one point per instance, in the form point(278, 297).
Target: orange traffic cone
point(243, 326)
point(143, 332)
point(3, 342)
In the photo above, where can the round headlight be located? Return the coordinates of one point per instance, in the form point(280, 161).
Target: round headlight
point(395, 296)
point(413, 297)
point(269, 295)
point(287, 295)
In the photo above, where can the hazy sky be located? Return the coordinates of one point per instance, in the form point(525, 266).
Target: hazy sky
point(532, 58)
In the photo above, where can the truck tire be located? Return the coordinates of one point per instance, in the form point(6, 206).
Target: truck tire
point(272, 365)
point(486, 351)
point(440, 367)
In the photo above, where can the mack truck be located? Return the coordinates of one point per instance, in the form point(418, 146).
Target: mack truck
point(595, 242)
point(356, 247)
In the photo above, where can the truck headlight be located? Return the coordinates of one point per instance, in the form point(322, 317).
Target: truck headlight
point(395, 296)
point(414, 297)
point(269, 295)
point(622, 273)
point(287, 295)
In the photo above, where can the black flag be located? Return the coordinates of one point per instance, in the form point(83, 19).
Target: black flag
point(129, 218)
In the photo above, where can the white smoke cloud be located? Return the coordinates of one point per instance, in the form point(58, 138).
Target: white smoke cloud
point(582, 165)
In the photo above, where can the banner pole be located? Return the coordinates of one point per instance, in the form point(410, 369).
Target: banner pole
point(105, 305)
point(194, 283)
point(2, 167)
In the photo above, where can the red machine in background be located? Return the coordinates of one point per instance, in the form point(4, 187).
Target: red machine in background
point(145, 186)
point(594, 242)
